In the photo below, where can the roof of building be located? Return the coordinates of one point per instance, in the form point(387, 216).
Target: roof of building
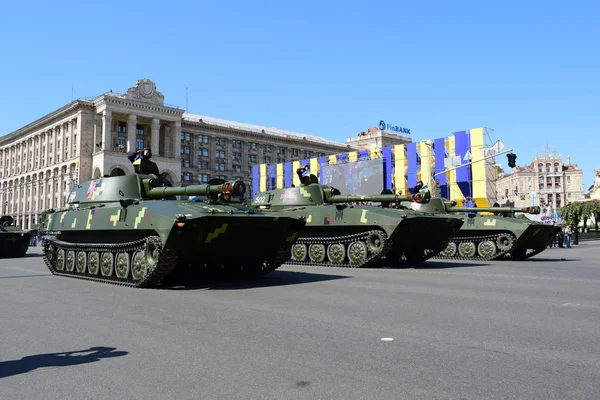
point(259, 129)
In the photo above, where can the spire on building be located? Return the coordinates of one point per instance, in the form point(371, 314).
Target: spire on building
point(569, 160)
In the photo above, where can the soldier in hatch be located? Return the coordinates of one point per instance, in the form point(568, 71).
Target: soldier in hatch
point(141, 162)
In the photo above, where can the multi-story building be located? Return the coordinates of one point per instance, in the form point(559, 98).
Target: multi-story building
point(88, 138)
point(545, 182)
point(375, 138)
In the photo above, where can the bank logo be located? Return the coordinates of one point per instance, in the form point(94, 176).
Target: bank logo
point(393, 128)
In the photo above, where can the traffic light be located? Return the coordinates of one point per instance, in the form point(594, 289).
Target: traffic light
point(511, 160)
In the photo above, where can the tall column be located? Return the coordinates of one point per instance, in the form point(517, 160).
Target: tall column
point(131, 125)
point(46, 149)
point(155, 138)
point(176, 139)
point(106, 130)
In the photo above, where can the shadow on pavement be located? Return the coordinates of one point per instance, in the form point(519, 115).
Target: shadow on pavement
point(435, 264)
point(24, 276)
point(275, 278)
point(30, 363)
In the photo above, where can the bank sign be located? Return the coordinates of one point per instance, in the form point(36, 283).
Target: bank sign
point(393, 128)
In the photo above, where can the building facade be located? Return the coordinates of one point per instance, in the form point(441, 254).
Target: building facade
point(88, 138)
point(545, 182)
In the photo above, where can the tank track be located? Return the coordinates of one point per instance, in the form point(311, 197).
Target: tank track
point(499, 252)
point(371, 259)
point(166, 261)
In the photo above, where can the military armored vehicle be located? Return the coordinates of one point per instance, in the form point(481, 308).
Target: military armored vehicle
point(491, 237)
point(341, 233)
point(14, 242)
point(131, 230)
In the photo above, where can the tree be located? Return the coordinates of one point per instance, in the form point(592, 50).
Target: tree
point(594, 207)
point(572, 213)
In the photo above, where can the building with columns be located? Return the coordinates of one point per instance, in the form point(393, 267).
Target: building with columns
point(545, 182)
point(88, 138)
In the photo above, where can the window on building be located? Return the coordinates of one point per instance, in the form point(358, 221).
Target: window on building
point(267, 159)
point(252, 146)
point(236, 144)
point(307, 154)
point(236, 168)
point(252, 158)
point(203, 152)
point(139, 130)
point(139, 144)
point(236, 156)
point(203, 139)
point(186, 163)
point(220, 154)
point(203, 164)
point(122, 127)
point(267, 147)
point(203, 178)
point(220, 167)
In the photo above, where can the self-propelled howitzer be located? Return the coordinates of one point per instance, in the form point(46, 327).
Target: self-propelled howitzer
point(14, 241)
point(341, 233)
point(487, 237)
point(131, 230)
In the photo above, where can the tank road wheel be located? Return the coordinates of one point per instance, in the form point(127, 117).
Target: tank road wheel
point(81, 261)
point(70, 260)
point(122, 265)
point(357, 252)
point(336, 252)
point(107, 264)
point(376, 241)
point(298, 252)
point(486, 249)
point(505, 241)
point(466, 249)
point(50, 253)
point(93, 263)
point(316, 252)
point(60, 260)
point(139, 265)
point(450, 250)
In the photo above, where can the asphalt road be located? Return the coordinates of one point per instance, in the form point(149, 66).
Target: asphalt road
point(493, 330)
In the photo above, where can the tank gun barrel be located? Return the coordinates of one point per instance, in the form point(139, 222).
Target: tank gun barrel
point(384, 198)
point(527, 210)
point(231, 188)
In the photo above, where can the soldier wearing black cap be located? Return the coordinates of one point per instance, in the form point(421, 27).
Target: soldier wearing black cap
point(141, 162)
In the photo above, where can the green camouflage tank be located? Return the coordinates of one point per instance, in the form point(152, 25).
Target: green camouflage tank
point(14, 242)
point(131, 230)
point(341, 233)
point(491, 237)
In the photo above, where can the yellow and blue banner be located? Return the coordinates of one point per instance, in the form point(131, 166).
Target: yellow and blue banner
point(403, 166)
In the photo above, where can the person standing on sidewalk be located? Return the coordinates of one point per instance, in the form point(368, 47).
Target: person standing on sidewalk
point(568, 233)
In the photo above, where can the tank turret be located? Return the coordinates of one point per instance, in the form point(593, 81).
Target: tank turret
point(438, 205)
point(313, 195)
point(131, 230)
point(115, 189)
point(342, 232)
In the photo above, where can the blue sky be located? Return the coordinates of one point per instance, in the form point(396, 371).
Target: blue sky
point(528, 70)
